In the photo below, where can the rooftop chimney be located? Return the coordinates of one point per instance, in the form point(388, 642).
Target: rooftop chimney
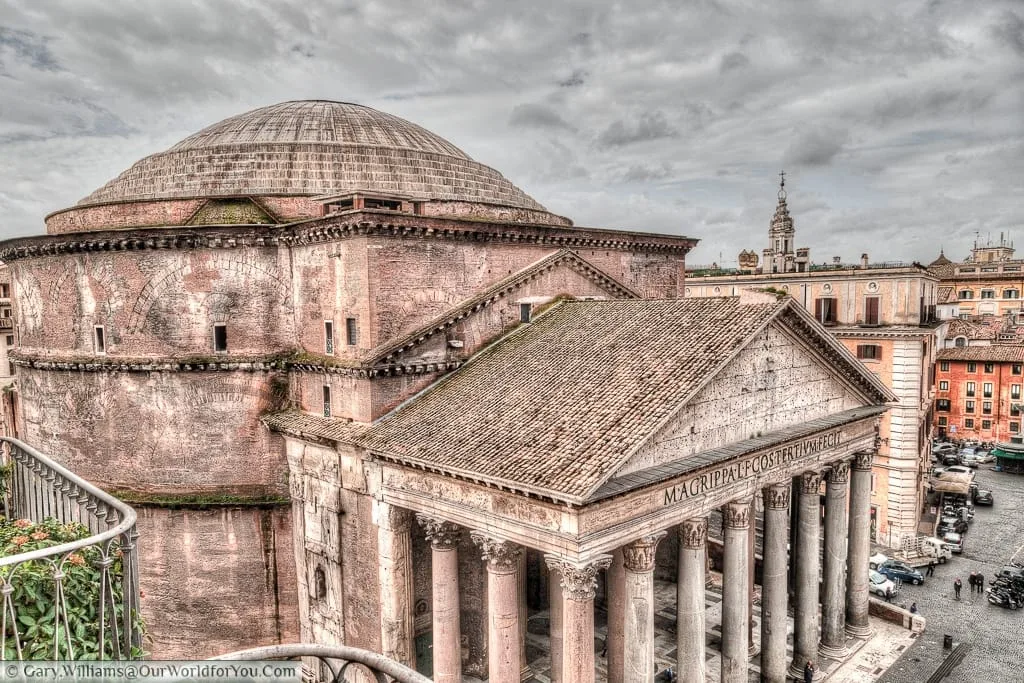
point(863, 260)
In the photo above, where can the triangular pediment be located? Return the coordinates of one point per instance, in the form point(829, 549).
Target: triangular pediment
point(779, 380)
point(233, 211)
point(480, 319)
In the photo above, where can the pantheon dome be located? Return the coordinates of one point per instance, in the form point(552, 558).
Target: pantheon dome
point(300, 149)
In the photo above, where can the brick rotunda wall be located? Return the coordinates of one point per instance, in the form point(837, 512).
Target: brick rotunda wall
point(185, 445)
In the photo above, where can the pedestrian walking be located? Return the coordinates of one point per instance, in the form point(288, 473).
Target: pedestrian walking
point(956, 587)
point(981, 583)
point(808, 672)
point(913, 608)
point(931, 569)
point(972, 581)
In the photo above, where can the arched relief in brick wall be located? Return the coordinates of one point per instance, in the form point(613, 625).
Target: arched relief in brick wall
point(242, 272)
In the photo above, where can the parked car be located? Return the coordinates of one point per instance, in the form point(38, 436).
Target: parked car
point(880, 585)
point(894, 569)
point(954, 541)
point(951, 523)
point(970, 459)
point(944, 447)
point(1010, 571)
point(960, 469)
point(877, 560)
point(936, 471)
point(951, 458)
point(984, 497)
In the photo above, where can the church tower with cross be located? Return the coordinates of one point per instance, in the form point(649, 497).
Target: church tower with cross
point(781, 256)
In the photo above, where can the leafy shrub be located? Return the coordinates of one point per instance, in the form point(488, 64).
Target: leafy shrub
point(35, 595)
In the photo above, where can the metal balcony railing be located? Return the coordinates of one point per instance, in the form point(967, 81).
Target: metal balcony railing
point(39, 489)
point(333, 663)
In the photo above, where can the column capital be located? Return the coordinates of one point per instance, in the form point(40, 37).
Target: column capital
point(736, 515)
point(810, 482)
point(578, 581)
point(638, 556)
point(502, 556)
point(862, 461)
point(441, 534)
point(693, 533)
point(776, 496)
point(839, 473)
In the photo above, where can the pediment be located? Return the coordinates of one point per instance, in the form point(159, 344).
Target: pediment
point(776, 381)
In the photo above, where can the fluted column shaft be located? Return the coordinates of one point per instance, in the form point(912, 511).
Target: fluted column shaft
point(444, 578)
point(616, 617)
point(859, 547)
point(503, 635)
point(833, 608)
point(638, 625)
point(735, 602)
point(690, 616)
point(805, 634)
point(774, 583)
point(578, 587)
point(394, 568)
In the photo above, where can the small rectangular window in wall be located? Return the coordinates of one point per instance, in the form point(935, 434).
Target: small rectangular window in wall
point(328, 337)
point(987, 389)
point(986, 424)
point(1018, 369)
point(327, 401)
point(1015, 391)
point(871, 310)
point(220, 338)
point(869, 352)
point(972, 367)
point(986, 407)
point(990, 367)
point(10, 340)
point(943, 420)
point(969, 423)
point(99, 340)
point(825, 310)
point(944, 365)
point(942, 404)
point(350, 331)
point(5, 290)
point(969, 407)
point(944, 385)
point(970, 389)
point(1015, 427)
point(524, 312)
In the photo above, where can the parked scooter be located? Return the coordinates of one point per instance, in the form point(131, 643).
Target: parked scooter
point(1003, 597)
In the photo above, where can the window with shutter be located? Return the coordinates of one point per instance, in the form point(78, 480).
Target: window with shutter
point(871, 310)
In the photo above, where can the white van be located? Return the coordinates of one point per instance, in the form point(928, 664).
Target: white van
point(936, 548)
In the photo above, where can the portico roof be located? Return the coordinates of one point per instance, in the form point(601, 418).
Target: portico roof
point(556, 407)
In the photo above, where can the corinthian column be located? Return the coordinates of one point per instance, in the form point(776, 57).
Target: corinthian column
point(859, 548)
point(503, 636)
point(774, 586)
point(735, 603)
point(555, 620)
point(394, 549)
point(833, 613)
point(690, 629)
point(638, 560)
point(444, 574)
point(616, 583)
point(579, 585)
point(805, 634)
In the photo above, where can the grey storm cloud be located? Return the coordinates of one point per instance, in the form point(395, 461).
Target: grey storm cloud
point(892, 116)
point(648, 126)
point(537, 116)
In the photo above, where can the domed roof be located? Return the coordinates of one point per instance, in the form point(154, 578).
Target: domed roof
point(314, 147)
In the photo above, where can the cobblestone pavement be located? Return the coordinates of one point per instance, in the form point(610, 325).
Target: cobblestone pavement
point(993, 633)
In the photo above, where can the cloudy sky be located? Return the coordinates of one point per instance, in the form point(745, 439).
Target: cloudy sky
point(900, 124)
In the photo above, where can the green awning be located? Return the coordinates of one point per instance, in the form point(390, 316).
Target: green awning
point(1008, 451)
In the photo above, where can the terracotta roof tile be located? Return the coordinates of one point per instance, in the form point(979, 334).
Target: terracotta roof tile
point(303, 425)
point(558, 405)
point(1005, 353)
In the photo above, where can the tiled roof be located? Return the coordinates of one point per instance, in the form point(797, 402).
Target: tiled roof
point(1005, 353)
point(958, 327)
point(303, 425)
point(495, 292)
point(946, 295)
point(558, 405)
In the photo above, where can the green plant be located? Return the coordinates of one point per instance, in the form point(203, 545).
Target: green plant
point(5, 479)
point(36, 599)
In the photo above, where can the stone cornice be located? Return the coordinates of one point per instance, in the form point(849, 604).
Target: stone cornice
point(334, 228)
point(885, 332)
point(115, 364)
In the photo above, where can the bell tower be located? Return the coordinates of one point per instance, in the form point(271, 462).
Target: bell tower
point(781, 256)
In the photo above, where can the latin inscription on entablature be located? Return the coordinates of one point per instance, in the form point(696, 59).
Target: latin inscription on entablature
point(456, 494)
point(703, 490)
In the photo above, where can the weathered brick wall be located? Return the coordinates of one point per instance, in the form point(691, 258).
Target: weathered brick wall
point(156, 432)
point(330, 283)
point(216, 580)
point(155, 303)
